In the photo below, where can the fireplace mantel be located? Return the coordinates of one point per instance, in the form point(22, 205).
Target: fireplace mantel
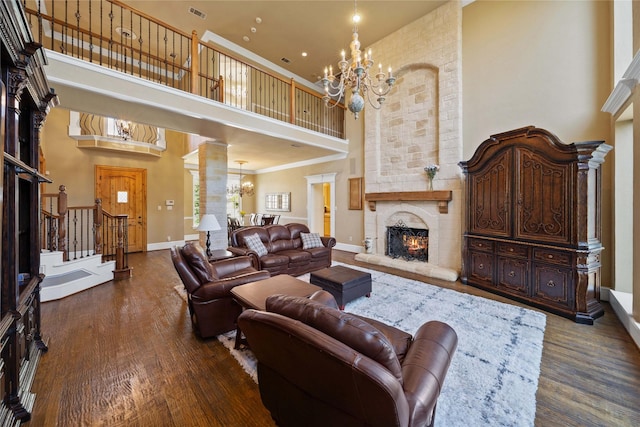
point(443, 197)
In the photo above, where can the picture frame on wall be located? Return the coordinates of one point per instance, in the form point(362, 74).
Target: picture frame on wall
point(355, 193)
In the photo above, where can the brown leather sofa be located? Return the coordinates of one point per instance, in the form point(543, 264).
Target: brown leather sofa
point(318, 366)
point(285, 252)
point(212, 309)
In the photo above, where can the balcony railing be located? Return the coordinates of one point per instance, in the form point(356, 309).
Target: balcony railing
point(114, 35)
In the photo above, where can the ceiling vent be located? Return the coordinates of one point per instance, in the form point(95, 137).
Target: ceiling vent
point(285, 60)
point(198, 13)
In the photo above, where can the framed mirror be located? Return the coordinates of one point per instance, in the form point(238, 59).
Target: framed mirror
point(280, 202)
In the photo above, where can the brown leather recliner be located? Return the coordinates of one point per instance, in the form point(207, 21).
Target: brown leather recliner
point(318, 366)
point(208, 284)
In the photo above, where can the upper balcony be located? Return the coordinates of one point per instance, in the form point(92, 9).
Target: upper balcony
point(230, 90)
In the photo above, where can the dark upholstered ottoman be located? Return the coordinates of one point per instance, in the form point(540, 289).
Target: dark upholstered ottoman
point(344, 283)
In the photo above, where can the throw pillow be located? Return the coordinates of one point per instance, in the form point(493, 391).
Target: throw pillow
point(254, 243)
point(311, 240)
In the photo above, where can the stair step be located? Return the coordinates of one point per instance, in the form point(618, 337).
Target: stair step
point(64, 278)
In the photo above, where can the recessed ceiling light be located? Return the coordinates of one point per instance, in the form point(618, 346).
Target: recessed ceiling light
point(253, 29)
point(304, 54)
point(258, 20)
point(246, 38)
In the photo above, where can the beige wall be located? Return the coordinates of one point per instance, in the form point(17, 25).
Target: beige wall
point(542, 63)
point(349, 223)
point(74, 168)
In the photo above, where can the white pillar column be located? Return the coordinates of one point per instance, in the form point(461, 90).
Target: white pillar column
point(212, 161)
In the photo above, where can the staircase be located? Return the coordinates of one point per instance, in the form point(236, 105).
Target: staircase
point(64, 278)
point(82, 246)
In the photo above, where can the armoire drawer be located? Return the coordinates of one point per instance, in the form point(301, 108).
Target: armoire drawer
point(480, 245)
point(481, 268)
point(552, 284)
point(551, 256)
point(513, 275)
point(512, 249)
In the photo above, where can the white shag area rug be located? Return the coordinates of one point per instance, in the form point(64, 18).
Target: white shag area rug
point(493, 377)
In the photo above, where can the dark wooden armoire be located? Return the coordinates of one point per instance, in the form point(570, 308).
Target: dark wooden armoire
point(25, 101)
point(532, 228)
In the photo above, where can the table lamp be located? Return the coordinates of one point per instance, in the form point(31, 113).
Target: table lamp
point(208, 223)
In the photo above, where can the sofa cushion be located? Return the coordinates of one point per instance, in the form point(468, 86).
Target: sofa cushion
point(254, 243)
point(322, 253)
point(311, 240)
point(296, 257)
point(274, 260)
point(197, 260)
point(344, 327)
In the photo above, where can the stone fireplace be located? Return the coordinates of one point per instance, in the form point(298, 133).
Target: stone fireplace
point(420, 124)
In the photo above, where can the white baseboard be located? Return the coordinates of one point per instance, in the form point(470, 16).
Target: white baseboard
point(349, 248)
point(622, 304)
point(164, 245)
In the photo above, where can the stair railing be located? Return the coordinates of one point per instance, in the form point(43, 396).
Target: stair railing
point(83, 231)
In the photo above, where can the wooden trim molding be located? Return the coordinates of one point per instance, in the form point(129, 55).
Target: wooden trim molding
point(443, 197)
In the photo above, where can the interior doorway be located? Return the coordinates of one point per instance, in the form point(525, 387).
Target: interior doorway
point(321, 196)
point(124, 192)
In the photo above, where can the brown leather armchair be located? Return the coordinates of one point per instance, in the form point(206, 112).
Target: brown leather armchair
point(208, 284)
point(318, 366)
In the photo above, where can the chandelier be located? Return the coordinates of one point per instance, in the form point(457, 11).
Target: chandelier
point(124, 129)
point(245, 189)
point(356, 76)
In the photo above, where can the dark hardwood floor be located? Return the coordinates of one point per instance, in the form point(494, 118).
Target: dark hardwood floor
point(123, 354)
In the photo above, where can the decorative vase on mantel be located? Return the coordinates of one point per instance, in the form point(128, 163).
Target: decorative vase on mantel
point(431, 171)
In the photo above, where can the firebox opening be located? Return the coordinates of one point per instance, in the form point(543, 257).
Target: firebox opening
point(407, 243)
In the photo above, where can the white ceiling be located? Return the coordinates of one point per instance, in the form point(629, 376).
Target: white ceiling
point(288, 28)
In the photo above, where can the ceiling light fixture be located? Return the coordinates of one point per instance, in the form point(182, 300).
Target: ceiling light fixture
point(246, 189)
point(355, 76)
point(124, 129)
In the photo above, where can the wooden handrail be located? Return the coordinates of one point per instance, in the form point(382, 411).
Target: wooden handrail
point(148, 17)
point(105, 39)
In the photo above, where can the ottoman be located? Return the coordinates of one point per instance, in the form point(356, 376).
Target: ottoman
point(344, 283)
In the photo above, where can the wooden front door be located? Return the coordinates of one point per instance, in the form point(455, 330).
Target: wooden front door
point(124, 192)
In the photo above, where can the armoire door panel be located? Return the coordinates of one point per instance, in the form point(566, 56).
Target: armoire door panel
point(543, 199)
point(491, 190)
point(513, 274)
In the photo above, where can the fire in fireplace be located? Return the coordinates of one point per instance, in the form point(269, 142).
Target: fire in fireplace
point(408, 243)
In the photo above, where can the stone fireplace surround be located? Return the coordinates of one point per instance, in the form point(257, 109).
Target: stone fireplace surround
point(415, 214)
point(420, 124)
